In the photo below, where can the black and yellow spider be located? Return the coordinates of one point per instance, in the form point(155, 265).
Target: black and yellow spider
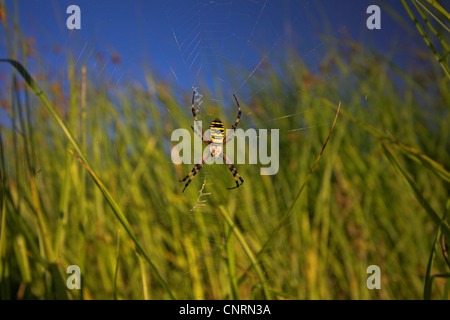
point(216, 144)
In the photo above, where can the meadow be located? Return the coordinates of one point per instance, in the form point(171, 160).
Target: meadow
point(87, 179)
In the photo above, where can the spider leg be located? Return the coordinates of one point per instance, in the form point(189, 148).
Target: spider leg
point(194, 113)
point(229, 136)
point(239, 114)
point(233, 170)
point(198, 134)
point(193, 107)
point(193, 172)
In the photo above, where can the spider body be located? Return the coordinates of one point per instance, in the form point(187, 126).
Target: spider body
point(218, 140)
point(216, 131)
point(215, 149)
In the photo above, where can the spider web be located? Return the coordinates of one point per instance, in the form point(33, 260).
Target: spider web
point(226, 43)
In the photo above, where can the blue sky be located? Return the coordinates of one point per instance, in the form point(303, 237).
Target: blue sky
point(186, 41)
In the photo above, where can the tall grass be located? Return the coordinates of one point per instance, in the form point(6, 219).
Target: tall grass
point(87, 179)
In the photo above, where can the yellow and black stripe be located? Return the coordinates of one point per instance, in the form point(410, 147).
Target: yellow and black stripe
point(233, 170)
point(193, 172)
point(216, 131)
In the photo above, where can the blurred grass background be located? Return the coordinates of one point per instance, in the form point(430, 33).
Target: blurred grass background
point(103, 193)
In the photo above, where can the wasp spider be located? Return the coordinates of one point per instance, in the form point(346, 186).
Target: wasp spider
point(218, 140)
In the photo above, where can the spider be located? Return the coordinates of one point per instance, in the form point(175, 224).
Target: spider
point(216, 144)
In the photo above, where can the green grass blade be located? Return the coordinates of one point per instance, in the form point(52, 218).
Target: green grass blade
point(446, 289)
point(302, 187)
point(3, 212)
point(231, 263)
point(116, 269)
point(248, 251)
point(428, 22)
point(427, 39)
point(143, 278)
point(82, 158)
point(421, 158)
point(58, 283)
point(22, 258)
point(433, 215)
point(428, 277)
point(444, 248)
point(439, 8)
point(411, 152)
point(313, 168)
